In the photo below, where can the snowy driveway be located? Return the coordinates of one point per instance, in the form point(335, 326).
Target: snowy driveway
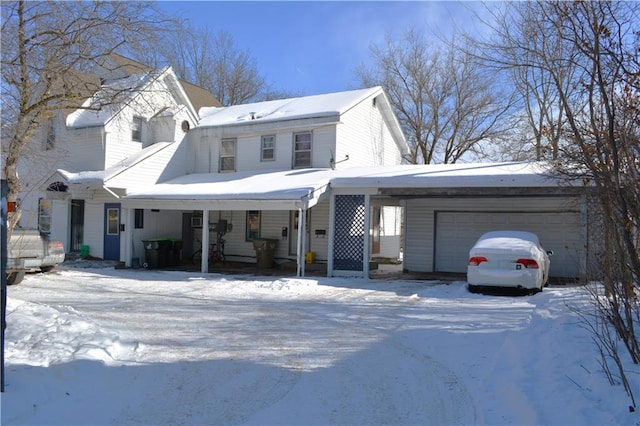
point(105, 346)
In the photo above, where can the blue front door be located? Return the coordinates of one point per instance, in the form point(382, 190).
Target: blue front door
point(112, 231)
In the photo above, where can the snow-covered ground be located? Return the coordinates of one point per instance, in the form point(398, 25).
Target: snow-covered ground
point(107, 346)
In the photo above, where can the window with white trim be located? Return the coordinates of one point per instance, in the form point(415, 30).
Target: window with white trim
point(228, 155)
point(253, 225)
point(268, 148)
point(302, 150)
point(136, 129)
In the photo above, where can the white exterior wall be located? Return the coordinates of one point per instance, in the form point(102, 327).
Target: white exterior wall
point(168, 163)
point(365, 138)
point(204, 148)
point(85, 149)
point(118, 141)
point(60, 219)
point(390, 229)
point(93, 234)
point(420, 216)
point(319, 244)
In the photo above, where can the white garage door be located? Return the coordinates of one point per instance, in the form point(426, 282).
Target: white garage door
point(561, 232)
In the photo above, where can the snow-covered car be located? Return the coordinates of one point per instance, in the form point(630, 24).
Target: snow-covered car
point(508, 259)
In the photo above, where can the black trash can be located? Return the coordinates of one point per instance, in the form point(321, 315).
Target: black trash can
point(265, 250)
point(175, 252)
point(157, 252)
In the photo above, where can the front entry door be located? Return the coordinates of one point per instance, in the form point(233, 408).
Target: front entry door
point(112, 231)
point(293, 233)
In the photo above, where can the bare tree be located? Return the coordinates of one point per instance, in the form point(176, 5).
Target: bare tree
point(514, 49)
point(587, 55)
point(212, 60)
point(445, 101)
point(48, 48)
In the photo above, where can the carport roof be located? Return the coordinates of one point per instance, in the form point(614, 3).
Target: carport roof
point(292, 189)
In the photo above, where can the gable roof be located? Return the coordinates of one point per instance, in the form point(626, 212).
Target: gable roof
point(317, 106)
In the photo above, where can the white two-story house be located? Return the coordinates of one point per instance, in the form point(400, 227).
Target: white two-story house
point(318, 176)
point(264, 169)
point(102, 165)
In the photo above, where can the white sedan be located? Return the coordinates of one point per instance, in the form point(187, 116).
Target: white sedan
point(508, 259)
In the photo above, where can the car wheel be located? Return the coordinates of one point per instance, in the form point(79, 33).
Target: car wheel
point(15, 277)
point(473, 288)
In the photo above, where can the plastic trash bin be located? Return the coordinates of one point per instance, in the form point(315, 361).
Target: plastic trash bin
point(265, 249)
point(175, 252)
point(157, 252)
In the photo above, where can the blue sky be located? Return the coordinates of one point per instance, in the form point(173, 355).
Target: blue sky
point(313, 47)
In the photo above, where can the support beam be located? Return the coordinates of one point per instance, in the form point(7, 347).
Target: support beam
point(129, 220)
point(366, 250)
point(204, 266)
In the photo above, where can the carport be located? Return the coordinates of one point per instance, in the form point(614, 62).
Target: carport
point(446, 207)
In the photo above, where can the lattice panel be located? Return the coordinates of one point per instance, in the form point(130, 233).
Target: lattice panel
point(348, 246)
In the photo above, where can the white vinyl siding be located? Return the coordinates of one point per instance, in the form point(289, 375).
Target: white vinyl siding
point(365, 138)
point(168, 162)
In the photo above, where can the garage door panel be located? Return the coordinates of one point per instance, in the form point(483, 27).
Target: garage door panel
point(456, 232)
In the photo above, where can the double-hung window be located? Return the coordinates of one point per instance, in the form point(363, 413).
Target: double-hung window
point(268, 148)
point(302, 150)
point(253, 225)
point(228, 155)
point(136, 129)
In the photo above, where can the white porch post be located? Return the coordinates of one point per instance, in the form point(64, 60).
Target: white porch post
point(332, 224)
point(204, 267)
point(367, 236)
point(302, 225)
point(129, 216)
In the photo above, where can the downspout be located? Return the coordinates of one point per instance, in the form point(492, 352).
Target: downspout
point(204, 266)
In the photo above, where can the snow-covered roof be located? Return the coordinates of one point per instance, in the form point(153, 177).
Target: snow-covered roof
point(102, 177)
point(327, 105)
point(293, 188)
point(100, 108)
point(469, 175)
point(305, 187)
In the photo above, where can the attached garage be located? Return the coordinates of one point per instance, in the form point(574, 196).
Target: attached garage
point(560, 232)
point(440, 231)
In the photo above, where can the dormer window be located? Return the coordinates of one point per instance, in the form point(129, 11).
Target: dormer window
point(136, 129)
